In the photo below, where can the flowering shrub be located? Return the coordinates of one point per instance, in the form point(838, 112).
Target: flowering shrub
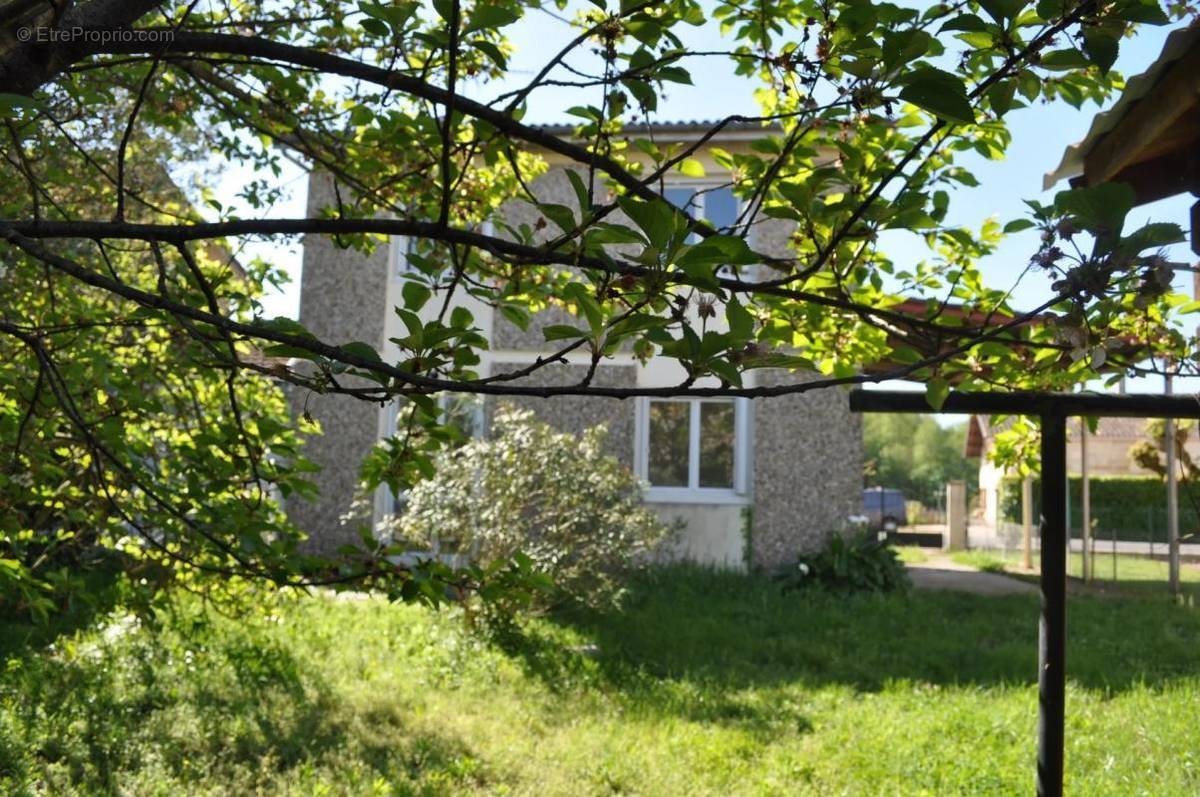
point(856, 563)
point(576, 512)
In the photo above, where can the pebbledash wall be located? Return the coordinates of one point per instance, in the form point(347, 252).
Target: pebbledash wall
point(798, 458)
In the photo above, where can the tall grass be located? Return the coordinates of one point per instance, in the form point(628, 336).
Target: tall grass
point(704, 684)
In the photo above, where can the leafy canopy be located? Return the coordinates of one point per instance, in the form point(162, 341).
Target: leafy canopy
point(866, 111)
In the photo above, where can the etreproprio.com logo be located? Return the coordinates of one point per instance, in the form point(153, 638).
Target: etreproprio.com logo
point(78, 34)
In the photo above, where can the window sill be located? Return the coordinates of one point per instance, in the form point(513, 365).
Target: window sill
point(687, 495)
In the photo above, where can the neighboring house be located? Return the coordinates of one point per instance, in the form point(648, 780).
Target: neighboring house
point(1150, 140)
point(750, 480)
point(1107, 455)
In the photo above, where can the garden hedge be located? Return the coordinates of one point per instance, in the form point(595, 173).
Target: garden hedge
point(1135, 507)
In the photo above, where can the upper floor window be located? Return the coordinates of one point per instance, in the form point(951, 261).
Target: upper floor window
point(402, 248)
point(715, 204)
point(694, 450)
point(399, 251)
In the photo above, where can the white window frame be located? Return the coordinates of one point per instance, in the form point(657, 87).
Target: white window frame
point(386, 502)
point(693, 493)
point(700, 187)
point(398, 245)
point(398, 257)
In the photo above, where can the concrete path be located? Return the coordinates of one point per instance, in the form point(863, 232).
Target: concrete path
point(941, 573)
point(987, 538)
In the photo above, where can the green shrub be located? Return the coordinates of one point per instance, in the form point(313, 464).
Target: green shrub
point(1135, 507)
point(576, 512)
point(855, 563)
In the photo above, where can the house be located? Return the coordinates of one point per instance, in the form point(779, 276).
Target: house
point(1150, 140)
point(750, 481)
point(1108, 454)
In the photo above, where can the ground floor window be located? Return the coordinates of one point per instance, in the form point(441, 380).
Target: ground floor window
point(693, 450)
point(461, 410)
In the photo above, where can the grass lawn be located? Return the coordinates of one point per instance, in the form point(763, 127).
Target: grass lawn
point(1134, 574)
point(911, 554)
point(707, 684)
point(987, 561)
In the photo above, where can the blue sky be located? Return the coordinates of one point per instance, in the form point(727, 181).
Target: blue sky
point(1040, 135)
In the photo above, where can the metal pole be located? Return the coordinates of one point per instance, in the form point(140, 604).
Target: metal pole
point(1027, 523)
point(1067, 522)
point(1172, 504)
point(1087, 500)
point(1052, 626)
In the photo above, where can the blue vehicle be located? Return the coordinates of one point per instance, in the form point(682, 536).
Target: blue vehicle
point(884, 508)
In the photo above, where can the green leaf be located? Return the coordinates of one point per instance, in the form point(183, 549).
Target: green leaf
point(1062, 60)
point(283, 350)
point(586, 304)
point(1029, 84)
point(1002, 10)
point(939, 93)
point(1100, 209)
point(725, 370)
point(967, 22)
point(284, 325)
point(561, 215)
point(690, 167)
point(394, 15)
point(605, 233)
point(1152, 236)
point(1101, 47)
point(581, 192)
point(562, 332)
point(718, 250)
point(516, 316)
point(779, 360)
point(702, 274)
point(415, 294)
point(642, 91)
point(461, 318)
point(741, 323)
point(1146, 11)
point(360, 349)
point(904, 46)
point(675, 74)
point(645, 30)
point(656, 219)
point(1051, 9)
point(412, 322)
point(12, 104)
point(1000, 96)
point(1017, 225)
point(491, 51)
point(490, 16)
point(936, 391)
point(375, 27)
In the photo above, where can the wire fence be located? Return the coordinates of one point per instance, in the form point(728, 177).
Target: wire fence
point(1132, 565)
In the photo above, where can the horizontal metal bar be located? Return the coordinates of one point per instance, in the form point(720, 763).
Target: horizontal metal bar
point(1129, 405)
